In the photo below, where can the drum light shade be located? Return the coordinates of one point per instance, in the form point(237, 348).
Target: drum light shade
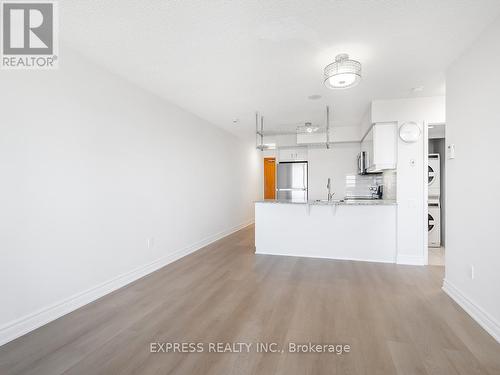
point(343, 73)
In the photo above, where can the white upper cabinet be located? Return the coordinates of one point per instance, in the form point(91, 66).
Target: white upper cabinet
point(293, 154)
point(381, 145)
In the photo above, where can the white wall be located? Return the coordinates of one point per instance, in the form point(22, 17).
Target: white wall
point(412, 214)
point(366, 123)
point(91, 166)
point(339, 134)
point(430, 109)
point(473, 126)
point(411, 168)
point(337, 162)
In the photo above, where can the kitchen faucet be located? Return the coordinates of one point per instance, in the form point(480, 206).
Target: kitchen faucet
point(376, 191)
point(329, 187)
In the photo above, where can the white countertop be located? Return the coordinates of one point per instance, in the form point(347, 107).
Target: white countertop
point(350, 202)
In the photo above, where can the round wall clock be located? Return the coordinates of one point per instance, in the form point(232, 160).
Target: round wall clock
point(409, 132)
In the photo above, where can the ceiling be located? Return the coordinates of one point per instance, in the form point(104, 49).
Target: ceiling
point(223, 60)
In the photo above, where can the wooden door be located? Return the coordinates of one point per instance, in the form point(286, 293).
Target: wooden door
point(269, 178)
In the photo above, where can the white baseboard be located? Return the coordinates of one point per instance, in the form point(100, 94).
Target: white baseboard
point(411, 260)
point(265, 252)
point(484, 319)
point(28, 323)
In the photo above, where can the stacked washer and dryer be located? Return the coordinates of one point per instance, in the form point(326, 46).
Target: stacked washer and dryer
point(434, 215)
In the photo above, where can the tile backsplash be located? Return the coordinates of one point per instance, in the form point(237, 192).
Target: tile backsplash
point(359, 185)
point(389, 183)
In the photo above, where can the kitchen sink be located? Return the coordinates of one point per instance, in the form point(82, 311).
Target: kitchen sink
point(360, 199)
point(327, 201)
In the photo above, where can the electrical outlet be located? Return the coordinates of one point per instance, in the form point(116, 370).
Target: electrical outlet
point(472, 272)
point(151, 242)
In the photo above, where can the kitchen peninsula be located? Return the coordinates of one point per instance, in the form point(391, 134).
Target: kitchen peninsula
point(362, 230)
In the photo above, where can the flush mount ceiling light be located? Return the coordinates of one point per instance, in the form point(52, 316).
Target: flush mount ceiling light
point(343, 73)
point(307, 128)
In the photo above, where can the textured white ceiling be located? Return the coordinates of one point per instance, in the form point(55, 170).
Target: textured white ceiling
point(225, 59)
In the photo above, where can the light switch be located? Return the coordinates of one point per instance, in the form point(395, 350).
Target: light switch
point(451, 151)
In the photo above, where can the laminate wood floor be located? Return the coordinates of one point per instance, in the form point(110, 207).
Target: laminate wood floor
point(395, 318)
point(436, 256)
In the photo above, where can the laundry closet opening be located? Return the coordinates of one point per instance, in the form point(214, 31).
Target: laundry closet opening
point(436, 216)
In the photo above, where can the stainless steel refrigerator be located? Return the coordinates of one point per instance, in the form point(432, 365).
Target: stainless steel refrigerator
point(292, 181)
